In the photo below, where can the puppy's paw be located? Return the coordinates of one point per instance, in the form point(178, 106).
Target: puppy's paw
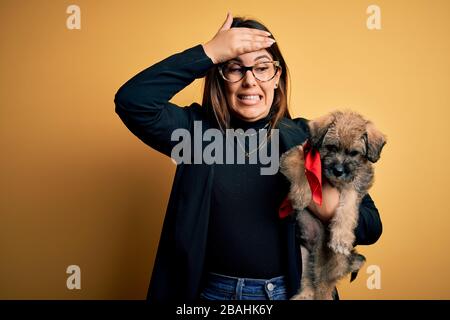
point(306, 294)
point(341, 244)
point(356, 262)
point(292, 163)
point(339, 248)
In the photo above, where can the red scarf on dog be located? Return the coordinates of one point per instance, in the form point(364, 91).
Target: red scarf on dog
point(313, 172)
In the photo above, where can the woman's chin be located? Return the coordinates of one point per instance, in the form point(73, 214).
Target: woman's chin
point(251, 115)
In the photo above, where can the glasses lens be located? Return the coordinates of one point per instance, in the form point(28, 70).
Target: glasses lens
point(233, 72)
point(264, 71)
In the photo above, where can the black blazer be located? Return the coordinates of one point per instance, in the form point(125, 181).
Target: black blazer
point(143, 105)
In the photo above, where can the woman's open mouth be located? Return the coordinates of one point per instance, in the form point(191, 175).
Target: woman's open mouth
point(249, 99)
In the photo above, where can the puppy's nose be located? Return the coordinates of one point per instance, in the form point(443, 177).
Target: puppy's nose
point(338, 170)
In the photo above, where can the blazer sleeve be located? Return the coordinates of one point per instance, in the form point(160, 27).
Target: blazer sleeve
point(369, 227)
point(142, 103)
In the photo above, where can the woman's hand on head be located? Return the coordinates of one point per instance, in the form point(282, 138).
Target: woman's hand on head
point(228, 43)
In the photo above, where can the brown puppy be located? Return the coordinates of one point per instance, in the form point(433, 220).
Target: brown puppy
point(348, 145)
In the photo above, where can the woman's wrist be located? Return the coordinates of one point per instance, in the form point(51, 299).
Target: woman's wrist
point(330, 202)
point(209, 52)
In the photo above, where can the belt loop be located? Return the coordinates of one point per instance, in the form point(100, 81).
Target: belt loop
point(239, 285)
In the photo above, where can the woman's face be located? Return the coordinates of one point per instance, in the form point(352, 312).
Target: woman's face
point(249, 98)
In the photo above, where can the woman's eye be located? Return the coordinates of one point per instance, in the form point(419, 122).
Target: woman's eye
point(234, 69)
point(262, 69)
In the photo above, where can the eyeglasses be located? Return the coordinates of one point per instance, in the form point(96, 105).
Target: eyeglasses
point(264, 71)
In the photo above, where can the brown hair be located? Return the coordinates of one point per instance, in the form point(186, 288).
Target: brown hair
point(214, 88)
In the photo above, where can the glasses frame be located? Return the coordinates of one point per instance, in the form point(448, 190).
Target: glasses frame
point(277, 65)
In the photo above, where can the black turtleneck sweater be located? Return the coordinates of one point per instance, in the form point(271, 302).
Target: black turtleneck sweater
point(244, 234)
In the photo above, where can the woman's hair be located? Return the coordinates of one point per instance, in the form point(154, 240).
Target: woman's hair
point(214, 96)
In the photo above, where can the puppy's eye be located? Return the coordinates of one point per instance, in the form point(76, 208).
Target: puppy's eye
point(353, 153)
point(331, 148)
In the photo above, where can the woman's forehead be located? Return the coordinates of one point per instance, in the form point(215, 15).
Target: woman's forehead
point(252, 57)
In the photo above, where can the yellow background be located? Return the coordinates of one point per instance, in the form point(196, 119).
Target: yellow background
point(76, 187)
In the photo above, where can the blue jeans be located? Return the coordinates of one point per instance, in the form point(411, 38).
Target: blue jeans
point(221, 287)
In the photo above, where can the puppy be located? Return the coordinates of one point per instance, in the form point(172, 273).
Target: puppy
point(348, 145)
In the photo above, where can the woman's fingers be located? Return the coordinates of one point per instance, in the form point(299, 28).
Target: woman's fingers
point(250, 46)
point(252, 37)
point(246, 40)
point(228, 21)
point(252, 31)
point(230, 42)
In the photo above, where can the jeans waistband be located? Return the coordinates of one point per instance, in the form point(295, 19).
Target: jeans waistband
point(223, 287)
point(249, 281)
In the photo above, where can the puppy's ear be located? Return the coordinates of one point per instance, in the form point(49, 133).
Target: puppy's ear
point(318, 129)
point(375, 141)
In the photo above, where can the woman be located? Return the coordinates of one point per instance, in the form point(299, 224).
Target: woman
point(222, 237)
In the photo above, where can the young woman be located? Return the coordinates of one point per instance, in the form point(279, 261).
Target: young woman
point(222, 236)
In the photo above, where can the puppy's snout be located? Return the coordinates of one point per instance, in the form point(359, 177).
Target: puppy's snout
point(338, 170)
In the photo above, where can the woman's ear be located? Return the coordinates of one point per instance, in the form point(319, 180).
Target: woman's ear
point(277, 78)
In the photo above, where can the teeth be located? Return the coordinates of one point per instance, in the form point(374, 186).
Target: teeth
point(252, 97)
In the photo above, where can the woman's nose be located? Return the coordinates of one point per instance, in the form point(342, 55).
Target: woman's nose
point(249, 79)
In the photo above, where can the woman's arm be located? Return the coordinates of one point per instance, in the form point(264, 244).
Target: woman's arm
point(330, 201)
point(369, 227)
point(143, 101)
